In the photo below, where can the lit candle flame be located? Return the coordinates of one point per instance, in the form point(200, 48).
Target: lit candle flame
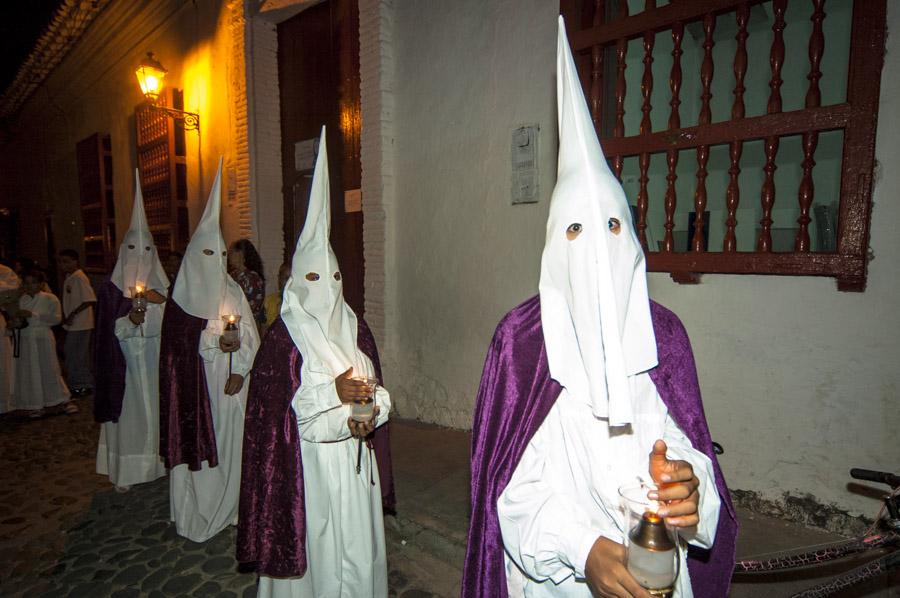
point(139, 289)
point(231, 319)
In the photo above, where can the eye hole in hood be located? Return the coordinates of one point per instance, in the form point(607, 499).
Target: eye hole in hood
point(615, 227)
point(574, 230)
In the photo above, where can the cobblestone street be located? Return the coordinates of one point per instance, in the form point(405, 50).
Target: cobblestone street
point(64, 531)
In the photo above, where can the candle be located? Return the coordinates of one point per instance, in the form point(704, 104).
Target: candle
point(138, 298)
point(652, 551)
point(231, 333)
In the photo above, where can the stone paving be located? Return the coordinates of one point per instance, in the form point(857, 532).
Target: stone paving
point(64, 531)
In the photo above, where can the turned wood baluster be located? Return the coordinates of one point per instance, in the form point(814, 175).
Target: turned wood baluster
point(619, 127)
point(645, 129)
point(810, 138)
point(597, 69)
point(706, 75)
point(776, 60)
point(733, 194)
point(674, 124)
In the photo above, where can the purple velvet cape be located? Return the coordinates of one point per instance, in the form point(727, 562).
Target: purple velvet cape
point(109, 378)
point(272, 519)
point(515, 396)
point(186, 431)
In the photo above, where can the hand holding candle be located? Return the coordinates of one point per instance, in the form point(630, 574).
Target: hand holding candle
point(678, 488)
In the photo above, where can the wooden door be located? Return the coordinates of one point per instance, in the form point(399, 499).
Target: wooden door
point(318, 71)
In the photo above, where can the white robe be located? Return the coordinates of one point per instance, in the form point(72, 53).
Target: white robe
point(205, 502)
point(563, 494)
point(7, 367)
point(345, 548)
point(128, 451)
point(38, 381)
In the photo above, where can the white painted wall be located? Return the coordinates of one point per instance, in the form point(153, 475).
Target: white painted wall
point(800, 381)
point(466, 74)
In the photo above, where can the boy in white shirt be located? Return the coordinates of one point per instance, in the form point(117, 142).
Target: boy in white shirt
point(78, 300)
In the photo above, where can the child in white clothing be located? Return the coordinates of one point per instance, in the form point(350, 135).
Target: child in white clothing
point(38, 382)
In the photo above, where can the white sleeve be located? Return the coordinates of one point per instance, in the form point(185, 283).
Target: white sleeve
point(47, 311)
point(680, 448)
point(547, 535)
point(242, 362)
point(152, 326)
point(321, 416)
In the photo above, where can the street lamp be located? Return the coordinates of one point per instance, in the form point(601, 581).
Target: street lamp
point(150, 74)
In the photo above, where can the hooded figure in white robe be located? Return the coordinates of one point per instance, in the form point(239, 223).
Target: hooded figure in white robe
point(126, 392)
point(345, 544)
point(600, 343)
point(201, 432)
point(9, 299)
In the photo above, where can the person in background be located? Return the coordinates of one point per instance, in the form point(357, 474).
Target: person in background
point(38, 383)
point(246, 268)
point(272, 304)
point(78, 306)
point(171, 265)
point(9, 305)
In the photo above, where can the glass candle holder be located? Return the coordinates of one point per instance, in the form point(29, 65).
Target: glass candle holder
point(651, 545)
point(231, 333)
point(363, 412)
point(138, 297)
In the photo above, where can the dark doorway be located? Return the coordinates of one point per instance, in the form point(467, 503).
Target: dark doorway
point(318, 72)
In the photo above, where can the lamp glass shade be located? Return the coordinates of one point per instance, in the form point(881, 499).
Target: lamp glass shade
point(150, 74)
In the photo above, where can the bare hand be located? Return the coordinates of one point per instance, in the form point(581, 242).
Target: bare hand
point(226, 347)
point(234, 384)
point(350, 390)
point(607, 574)
point(136, 317)
point(363, 429)
point(677, 488)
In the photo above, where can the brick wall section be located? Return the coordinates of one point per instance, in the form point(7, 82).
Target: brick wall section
point(239, 169)
point(376, 87)
point(265, 138)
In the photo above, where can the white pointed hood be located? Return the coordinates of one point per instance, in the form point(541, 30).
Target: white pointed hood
point(203, 287)
point(595, 310)
point(318, 319)
point(138, 261)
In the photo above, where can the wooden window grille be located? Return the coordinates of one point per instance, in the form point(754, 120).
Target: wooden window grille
point(98, 214)
point(722, 159)
point(163, 172)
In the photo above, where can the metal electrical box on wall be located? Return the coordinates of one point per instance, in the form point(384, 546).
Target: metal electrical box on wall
point(525, 164)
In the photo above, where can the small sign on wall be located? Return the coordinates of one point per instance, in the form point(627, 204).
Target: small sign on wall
point(353, 200)
point(525, 164)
